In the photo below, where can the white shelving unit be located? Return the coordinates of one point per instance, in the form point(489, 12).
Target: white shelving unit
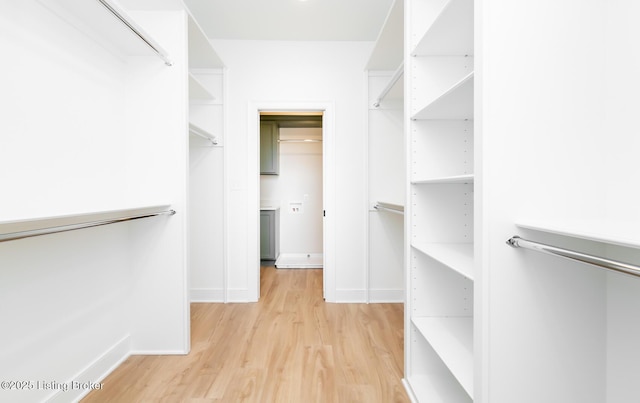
point(385, 145)
point(103, 21)
point(439, 360)
point(198, 90)
point(207, 168)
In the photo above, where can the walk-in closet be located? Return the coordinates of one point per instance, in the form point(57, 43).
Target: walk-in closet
point(467, 165)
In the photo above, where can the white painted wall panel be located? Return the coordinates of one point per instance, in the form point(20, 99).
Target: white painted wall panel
point(89, 130)
point(540, 121)
point(298, 72)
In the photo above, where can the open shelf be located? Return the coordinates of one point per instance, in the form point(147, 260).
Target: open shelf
point(197, 90)
point(456, 256)
point(468, 178)
point(201, 53)
point(200, 132)
point(38, 223)
point(387, 53)
point(620, 233)
point(452, 339)
point(454, 103)
point(104, 26)
point(434, 388)
point(451, 32)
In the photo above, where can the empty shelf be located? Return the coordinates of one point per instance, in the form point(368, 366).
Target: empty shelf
point(456, 256)
point(451, 32)
point(454, 103)
point(466, 178)
point(452, 339)
point(197, 90)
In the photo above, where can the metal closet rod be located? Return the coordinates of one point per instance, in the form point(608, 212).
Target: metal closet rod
point(600, 262)
point(394, 79)
point(71, 227)
point(193, 129)
point(392, 208)
point(139, 34)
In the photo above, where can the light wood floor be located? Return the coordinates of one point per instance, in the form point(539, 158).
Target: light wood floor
point(291, 346)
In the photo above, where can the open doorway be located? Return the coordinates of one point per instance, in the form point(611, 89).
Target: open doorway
point(298, 205)
point(291, 209)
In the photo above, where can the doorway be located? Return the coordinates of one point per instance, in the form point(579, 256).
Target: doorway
point(325, 111)
point(291, 210)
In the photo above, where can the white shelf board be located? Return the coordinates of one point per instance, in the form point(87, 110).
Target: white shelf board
point(199, 131)
point(388, 51)
point(197, 90)
point(435, 388)
point(622, 233)
point(97, 21)
point(451, 32)
point(454, 103)
point(42, 222)
point(202, 55)
point(452, 340)
point(467, 178)
point(457, 256)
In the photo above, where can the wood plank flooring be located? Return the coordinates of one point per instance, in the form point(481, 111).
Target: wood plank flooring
point(291, 346)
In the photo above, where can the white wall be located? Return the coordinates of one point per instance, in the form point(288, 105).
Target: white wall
point(298, 72)
point(299, 180)
point(619, 159)
point(74, 304)
point(557, 138)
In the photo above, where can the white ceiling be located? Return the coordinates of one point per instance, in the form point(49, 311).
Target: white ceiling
point(310, 20)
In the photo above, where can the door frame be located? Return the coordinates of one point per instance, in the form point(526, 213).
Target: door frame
point(328, 190)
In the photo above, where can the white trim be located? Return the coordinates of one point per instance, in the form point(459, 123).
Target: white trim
point(159, 352)
point(351, 296)
point(378, 296)
point(299, 261)
point(225, 188)
point(367, 235)
point(238, 295)
point(409, 390)
point(207, 295)
point(253, 190)
point(95, 372)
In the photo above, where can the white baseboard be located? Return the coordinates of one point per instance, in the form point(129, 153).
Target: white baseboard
point(386, 296)
point(375, 296)
point(409, 390)
point(299, 261)
point(238, 295)
point(159, 352)
point(351, 296)
point(206, 295)
point(94, 373)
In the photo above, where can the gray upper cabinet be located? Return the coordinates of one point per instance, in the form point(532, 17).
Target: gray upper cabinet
point(269, 151)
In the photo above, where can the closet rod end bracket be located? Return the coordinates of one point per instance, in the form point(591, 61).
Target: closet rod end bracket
point(513, 241)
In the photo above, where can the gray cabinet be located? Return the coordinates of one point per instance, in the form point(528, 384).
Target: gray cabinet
point(269, 151)
point(269, 234)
